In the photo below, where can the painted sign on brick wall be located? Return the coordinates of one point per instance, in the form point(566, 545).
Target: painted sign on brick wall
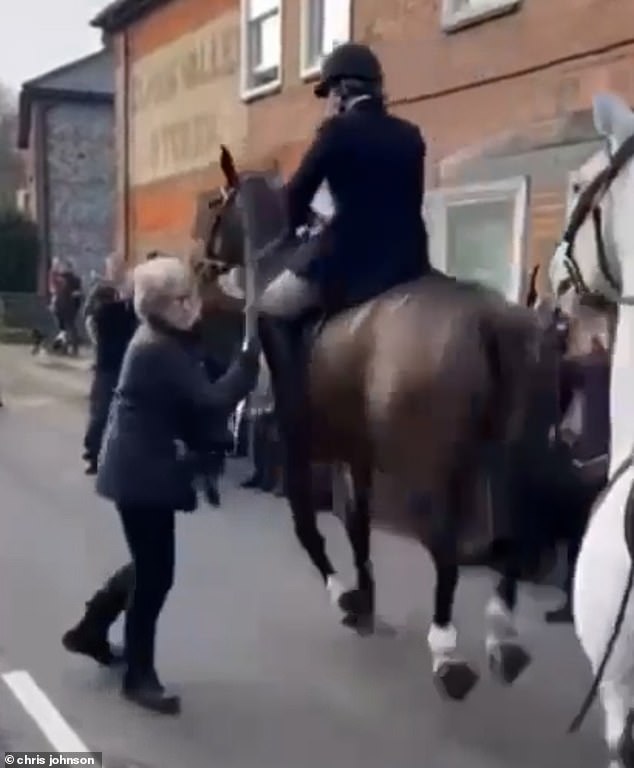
point(185, 103)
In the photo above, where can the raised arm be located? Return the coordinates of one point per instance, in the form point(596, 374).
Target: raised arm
point(223, 395)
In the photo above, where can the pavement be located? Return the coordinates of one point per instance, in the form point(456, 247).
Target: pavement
point(269, 678)
point(55, 377)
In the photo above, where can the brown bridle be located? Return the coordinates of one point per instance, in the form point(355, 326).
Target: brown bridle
point(589, 205)
point(218, 266)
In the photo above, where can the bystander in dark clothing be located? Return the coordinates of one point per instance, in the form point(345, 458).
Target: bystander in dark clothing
point(164, 408)
point(67, 303)
point(267, 455)
point(112, 322)
point(585, 433)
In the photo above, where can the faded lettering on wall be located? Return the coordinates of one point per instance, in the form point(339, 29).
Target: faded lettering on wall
point(184, 103)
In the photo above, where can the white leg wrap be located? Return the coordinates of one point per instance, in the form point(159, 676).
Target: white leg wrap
point(442, 642)
point(500, 624)
point(616, 702)
point(335, 589)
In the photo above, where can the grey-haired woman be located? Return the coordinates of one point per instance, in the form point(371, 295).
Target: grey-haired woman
point(162, 398)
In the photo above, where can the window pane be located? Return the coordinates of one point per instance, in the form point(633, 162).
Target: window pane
point(336, 24)
point(270, 37)
point(258, 8)
point(480, 242)
point(328, 27)
point(264, 51)
point(315, 32)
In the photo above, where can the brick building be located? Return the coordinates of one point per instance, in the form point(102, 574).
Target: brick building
point(501, 89)
point(66, 129)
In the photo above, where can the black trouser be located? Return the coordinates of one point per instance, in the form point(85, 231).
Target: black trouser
point(101, 392)
point(150, 536)
point(265, 453)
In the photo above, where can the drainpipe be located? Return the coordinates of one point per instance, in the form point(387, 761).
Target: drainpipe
point(125, 160)
point(42, 190)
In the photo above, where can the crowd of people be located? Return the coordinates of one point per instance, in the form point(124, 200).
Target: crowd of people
point(158, 431)
point(159, 411)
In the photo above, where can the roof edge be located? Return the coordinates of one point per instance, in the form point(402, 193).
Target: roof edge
point(120, 14)
point(31, 93)
point(34, 81)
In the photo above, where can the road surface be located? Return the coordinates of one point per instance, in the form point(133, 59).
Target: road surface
point(268, 677)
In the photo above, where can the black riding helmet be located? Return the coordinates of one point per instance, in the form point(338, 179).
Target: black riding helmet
point(350, 60)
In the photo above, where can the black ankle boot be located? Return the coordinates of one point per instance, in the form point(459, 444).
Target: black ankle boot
point(85, 640)
point(90, 636)
point(148, 693)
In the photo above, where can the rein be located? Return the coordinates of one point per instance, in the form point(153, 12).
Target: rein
point(589, 204)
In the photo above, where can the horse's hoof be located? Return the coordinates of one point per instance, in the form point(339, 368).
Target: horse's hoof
point(625, 747)
point(362, 624)
point(507, 661)
point(455, 679)
point(357, 602)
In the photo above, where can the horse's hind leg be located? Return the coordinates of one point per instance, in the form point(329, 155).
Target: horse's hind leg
point(619, 724)
point(358, 604)
point(506, 655)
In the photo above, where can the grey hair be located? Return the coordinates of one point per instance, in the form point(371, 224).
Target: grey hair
point(157, 282)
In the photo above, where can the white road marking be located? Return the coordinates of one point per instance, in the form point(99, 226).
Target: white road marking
point(37, 704)
point(19, 401)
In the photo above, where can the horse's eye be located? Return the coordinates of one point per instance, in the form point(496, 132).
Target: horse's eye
point(577, 188)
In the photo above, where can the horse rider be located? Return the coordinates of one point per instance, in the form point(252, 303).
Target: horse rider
point(374, 165)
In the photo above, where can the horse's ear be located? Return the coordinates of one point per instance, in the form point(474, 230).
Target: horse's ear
point(531, 298)
point(612, 117)
point(228, 167)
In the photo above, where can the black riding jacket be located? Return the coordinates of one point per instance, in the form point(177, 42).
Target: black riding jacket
point(374, 164)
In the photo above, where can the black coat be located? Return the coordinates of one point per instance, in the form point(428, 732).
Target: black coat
point(163, 398)
point(374, 164)
point(115, 323)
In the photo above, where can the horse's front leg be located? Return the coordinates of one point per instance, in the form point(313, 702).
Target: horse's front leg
point(506, 655)
point(358, 604)
point(298, 481)
point(454, 677)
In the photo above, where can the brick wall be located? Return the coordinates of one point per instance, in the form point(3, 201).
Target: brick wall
point(513, 76)
point(161, 212)
point(81, 185)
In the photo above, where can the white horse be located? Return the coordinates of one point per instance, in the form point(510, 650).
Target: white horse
point(597, 257)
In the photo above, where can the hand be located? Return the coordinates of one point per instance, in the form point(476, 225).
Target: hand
point(252, 349)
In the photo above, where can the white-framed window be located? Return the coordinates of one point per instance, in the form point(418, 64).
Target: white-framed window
point(261, 47)
point(461, 13)
point(478, 232)
point(325, 24)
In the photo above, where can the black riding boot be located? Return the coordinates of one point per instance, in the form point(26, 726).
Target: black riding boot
point(282, 344)
point(90, 636)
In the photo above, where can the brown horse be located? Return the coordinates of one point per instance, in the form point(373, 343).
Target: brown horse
point(427, 383)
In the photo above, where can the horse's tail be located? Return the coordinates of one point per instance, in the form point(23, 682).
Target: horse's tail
point(510, 338)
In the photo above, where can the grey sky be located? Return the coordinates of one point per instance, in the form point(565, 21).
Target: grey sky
point(39, 35)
